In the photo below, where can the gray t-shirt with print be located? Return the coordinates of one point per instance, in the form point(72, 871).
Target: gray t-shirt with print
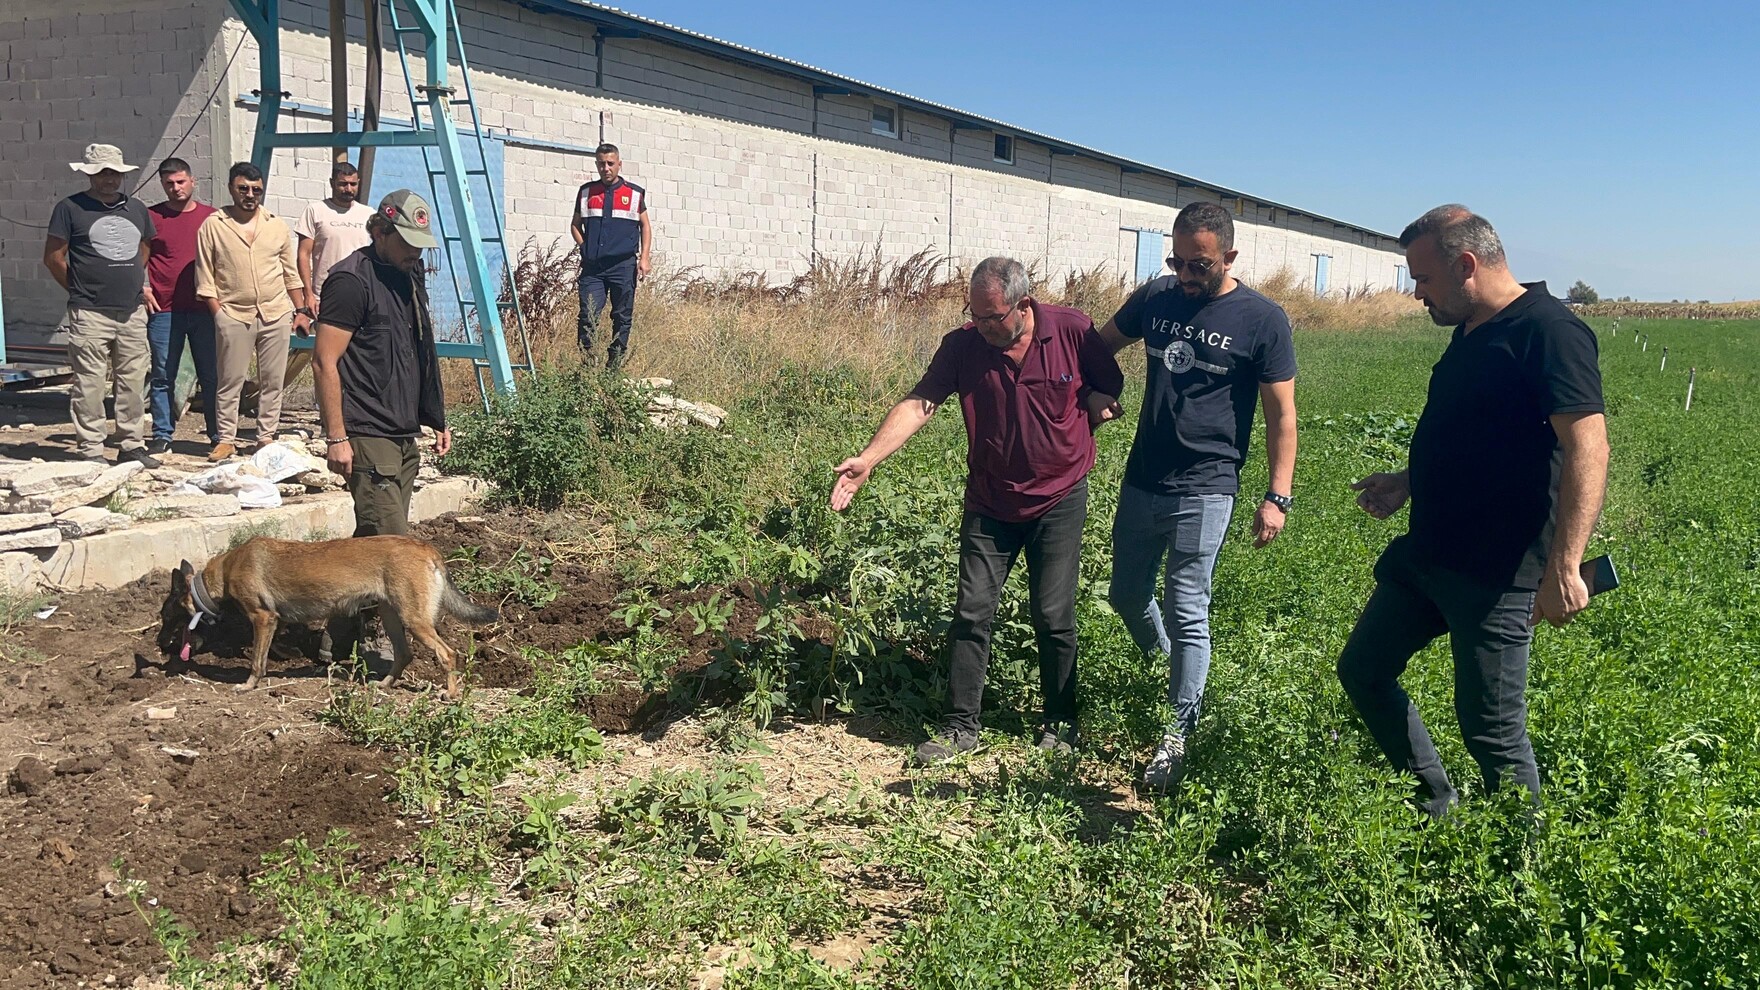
point(104, 268)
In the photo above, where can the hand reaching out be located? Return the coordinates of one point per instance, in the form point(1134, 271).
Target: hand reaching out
point(851, 476)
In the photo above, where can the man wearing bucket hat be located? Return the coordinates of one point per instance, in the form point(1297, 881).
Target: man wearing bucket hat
point(97, 251)
point(377, 375)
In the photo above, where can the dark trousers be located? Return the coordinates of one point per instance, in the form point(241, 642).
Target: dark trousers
point(383, 480)
point(987, 552)
point(1489, 635)
point(619, 284)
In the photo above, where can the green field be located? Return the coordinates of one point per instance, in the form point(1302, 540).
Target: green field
point(1290, 857)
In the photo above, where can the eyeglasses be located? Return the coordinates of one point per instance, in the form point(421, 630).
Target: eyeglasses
point(1197, 266)
point(994, 319)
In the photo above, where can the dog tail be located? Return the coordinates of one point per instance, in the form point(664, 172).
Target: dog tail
point(463, 609)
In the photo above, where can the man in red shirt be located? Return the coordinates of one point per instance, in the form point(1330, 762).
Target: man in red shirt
point(1033, 380)
point(175, 315)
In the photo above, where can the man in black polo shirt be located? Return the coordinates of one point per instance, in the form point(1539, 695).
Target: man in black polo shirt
point(1505, 478)
point(611, 226)
point(375, 365)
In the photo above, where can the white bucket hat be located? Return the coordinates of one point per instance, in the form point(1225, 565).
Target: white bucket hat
point(100, 157)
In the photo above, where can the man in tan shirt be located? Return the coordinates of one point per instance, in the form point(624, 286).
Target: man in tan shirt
point(247, 274)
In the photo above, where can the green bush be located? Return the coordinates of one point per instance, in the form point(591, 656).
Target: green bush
point(544, 442)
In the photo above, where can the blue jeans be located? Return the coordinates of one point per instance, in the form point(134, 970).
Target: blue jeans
point(1185, 532)
point(166, 333)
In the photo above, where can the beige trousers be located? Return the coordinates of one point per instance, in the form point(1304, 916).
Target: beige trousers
point(235, 343)
point(102, 343)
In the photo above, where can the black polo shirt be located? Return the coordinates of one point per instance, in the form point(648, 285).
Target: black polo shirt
point(390, 372)
point(1485, 462)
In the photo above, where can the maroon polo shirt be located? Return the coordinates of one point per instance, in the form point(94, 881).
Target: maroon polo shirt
point(1027, 435)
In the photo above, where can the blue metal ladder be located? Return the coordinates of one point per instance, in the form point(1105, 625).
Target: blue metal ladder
point(437, 22)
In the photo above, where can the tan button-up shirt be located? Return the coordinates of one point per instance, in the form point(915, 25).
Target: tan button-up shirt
point(256, 279)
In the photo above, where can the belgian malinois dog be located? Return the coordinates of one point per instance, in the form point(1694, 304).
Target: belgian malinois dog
point(276, 581)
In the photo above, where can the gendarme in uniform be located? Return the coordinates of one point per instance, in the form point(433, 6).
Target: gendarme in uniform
point(390, 373)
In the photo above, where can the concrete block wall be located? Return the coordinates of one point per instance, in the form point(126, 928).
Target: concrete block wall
point(891, 201)
point(746, 169)
point(133, 73)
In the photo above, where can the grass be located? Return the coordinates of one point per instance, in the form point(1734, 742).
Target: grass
point(1289, 859)
point(16, 609)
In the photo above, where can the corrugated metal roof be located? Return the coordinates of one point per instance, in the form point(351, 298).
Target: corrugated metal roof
point(629, 24)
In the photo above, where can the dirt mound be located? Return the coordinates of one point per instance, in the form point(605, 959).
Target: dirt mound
point(582, 613)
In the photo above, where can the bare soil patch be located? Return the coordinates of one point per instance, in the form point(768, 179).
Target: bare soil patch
point(116, 772)
point(100, 788)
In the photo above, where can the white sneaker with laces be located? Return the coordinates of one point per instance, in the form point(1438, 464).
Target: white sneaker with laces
point(1166, 765)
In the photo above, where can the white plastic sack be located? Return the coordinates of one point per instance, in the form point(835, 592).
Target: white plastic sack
point(236, 478)
point(278, 462)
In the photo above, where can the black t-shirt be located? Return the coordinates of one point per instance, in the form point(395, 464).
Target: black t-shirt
point(390, 382)
point(1485, 461)
point(104, 269)
point(1206, 363)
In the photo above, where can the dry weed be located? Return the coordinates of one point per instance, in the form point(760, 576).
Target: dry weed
point(1346, 310)
point(722, 338)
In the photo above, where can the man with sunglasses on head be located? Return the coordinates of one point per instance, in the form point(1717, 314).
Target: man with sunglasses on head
point(1034, 380)
point(1215, 348)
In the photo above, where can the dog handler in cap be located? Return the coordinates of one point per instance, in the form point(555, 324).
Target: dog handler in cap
point(377, 370)
point(378, 380)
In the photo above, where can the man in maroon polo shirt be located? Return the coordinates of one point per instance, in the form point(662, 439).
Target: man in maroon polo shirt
point(1033, 381)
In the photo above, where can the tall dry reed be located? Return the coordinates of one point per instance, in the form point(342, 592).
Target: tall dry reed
point(723, 338)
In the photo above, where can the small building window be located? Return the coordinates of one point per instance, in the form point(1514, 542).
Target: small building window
point(1240, 206)
point(885, 121)
point(1004, 152)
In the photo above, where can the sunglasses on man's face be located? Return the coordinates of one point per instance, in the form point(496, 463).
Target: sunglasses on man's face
point(1197, 266)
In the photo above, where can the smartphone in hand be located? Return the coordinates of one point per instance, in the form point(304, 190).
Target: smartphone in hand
point(1599, 575)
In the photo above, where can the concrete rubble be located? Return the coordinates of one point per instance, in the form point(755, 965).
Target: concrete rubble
point(89, 520)
point(30, 539)
point(73, 524)
point(669, 412)
point(188, 506)
point(13, 522)
point(55, 476)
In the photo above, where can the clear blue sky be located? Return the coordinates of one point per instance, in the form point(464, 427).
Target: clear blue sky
point(1615, 142)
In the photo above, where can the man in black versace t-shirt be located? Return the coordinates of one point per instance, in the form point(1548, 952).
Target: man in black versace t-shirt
point(1217, 351)
point(1506, 475)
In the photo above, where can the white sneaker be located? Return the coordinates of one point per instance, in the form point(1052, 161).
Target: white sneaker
point(1166, 765)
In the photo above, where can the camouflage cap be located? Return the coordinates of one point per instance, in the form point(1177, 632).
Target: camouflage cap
point(409, 213)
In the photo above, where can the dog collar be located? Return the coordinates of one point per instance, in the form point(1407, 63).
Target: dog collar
point(198, 596)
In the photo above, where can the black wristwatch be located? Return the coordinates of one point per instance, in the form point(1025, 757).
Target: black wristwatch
point(306, 311)
point(1281, 501)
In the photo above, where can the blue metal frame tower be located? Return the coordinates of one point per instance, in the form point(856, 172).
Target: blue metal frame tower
point(436, 21)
